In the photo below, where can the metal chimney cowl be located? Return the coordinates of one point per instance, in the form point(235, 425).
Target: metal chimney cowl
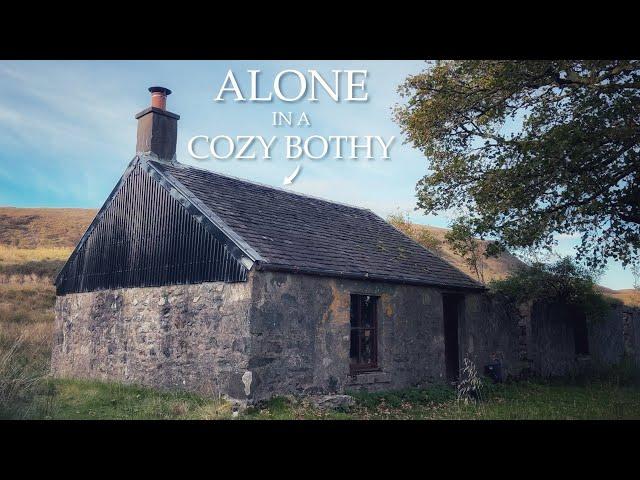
point(158, 128)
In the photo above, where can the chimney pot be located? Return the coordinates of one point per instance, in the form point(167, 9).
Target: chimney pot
point(159, 97)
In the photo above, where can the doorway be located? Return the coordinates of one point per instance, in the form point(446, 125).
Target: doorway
point(580, 331)
point(451, 308)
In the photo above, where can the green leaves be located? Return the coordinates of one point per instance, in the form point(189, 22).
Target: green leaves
point(563, 281)
point(529, 149)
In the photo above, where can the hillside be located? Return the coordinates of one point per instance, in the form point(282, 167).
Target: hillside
point(494, 268)
point(29, 228)
point(35, 242)
point(433, 238)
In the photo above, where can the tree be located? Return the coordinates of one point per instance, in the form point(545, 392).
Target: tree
point(464, 244)
point(532, 149)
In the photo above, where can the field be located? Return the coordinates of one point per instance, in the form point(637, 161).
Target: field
point(34, 244)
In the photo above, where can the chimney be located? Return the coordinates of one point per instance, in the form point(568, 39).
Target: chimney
point(158, 128)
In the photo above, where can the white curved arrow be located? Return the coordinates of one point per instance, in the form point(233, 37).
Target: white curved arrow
point(289, 180)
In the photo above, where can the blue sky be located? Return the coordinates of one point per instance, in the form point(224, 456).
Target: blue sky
point(67, 132)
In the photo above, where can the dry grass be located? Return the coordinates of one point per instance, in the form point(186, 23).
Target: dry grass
point(628, 296)
point(14, 256)
point(43, 227)
point(433, 238)
point(33, 265)
point(26, 328)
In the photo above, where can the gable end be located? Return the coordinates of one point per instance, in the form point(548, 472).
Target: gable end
point(147, 234)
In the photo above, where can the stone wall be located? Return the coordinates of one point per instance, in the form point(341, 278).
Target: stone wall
point(631, 334)
point(551, 345)
point(300, 326)
point(282, 333)
point(606, 338)
point(490, 331)
point(186, 336)
point(550, 341)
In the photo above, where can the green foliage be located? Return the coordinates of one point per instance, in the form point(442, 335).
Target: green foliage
point(561, 282)
point(530, 149)
point(433, 394)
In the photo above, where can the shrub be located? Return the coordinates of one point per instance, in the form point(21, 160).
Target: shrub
point(561, 282)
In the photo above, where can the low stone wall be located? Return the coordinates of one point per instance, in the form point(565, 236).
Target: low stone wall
point(606, 338)
point(631, 334)
point(550, 341)
point(194, 337)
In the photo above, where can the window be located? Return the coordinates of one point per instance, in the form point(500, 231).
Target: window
point(364, 334)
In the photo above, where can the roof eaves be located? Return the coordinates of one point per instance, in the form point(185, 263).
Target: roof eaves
point(415, 242)
point(474, 286)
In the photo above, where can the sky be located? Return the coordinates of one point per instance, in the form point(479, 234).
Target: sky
point(68, 131)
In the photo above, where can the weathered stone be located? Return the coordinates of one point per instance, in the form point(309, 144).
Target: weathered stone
point(289, 334)
point(332, 402)
point(144, 342)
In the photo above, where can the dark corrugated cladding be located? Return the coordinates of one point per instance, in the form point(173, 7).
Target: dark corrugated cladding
point(144, 236)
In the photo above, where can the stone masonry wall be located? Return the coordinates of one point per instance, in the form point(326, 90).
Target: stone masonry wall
point(282, 333)
point(551, 344)
point(606, 338)
point(300, 326)
point(489, 332)
point(631, 329)
point(194, 337)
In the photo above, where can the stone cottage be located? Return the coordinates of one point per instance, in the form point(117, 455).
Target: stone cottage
point(191, 279)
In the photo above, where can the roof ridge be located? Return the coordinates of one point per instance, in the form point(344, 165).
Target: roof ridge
point(260, 184)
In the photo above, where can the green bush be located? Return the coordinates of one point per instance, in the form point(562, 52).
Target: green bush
point(561, 282)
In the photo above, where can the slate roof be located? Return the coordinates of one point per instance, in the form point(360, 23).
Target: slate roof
point(294, 232)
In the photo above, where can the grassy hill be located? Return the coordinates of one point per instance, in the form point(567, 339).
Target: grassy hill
point(29, 228)
point(433, 238)
point(494, 268)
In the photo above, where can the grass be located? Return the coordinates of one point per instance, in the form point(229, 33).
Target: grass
point(26, 329)
point(93, 400)
point(83, 399)
point(22, 265)
point(16, 256)
point(515, 401)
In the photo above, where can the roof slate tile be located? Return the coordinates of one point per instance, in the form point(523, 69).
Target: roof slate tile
point(297, 232)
